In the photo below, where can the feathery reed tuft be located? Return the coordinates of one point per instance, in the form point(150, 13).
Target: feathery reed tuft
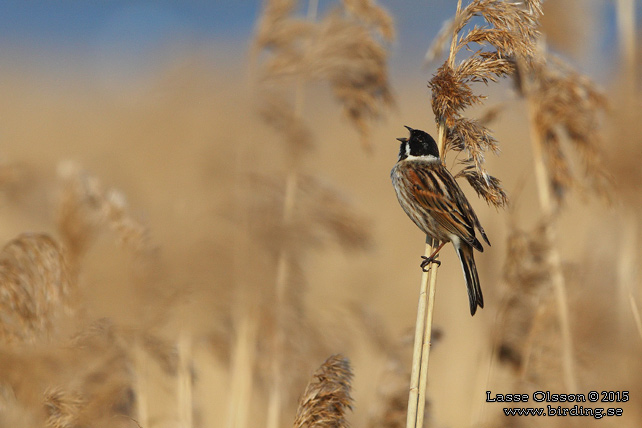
point(35, 288)
point(510, 32)
point(566, 106)
point(327, 397)
point(346, 49)
point(63, 407)
point(526, 274)
point(85, 206)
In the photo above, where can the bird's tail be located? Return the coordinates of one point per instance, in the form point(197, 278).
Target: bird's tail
point(475, 297)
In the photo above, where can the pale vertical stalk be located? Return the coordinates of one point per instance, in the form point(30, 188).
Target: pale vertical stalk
point(243, 352)
point(425, 352)
point(626, 267)
point(529, 341)
point(282, 272)
point(140, 385)
point(242, 372)
point(628, 245)
point(626, 35)
point(636, 315)
point(451, 64)
point(184, 380)
point(554, 258)
point(275, 400)
point(418, 348)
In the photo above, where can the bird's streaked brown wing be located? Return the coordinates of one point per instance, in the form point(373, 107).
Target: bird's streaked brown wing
point(438, 193)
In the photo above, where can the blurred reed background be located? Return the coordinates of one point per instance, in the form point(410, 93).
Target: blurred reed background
point(199, 229)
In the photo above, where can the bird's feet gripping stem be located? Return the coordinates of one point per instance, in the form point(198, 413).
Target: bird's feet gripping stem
point(432, 258)
point(427, 261)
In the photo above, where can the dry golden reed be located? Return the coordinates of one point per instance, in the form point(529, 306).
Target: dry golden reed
point(82, 382)
point(526, 274)
point(343, 49)
point(35, 288)
point(327, 397)
point(322, 217)
point(85, 206)
point(566, 107)
point(106, 390)
point(63, 408)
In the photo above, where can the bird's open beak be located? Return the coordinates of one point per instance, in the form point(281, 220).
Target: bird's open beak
point(403, 140)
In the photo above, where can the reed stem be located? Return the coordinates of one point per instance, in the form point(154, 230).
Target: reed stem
point(184, 380)
point(242, 370)
point(419, 359)
point(140, 384)
point(425, 352)
point(275, 402)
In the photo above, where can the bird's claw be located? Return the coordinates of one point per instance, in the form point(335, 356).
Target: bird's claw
point(427, 261)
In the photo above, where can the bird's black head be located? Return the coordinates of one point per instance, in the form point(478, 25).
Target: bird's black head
point(419, 144)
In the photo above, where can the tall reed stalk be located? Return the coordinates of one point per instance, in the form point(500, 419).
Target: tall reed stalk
point(184, 393)
point(242, 370)
point(627, 274)
point(140, 386)
point(275, 400)
point(421, 348)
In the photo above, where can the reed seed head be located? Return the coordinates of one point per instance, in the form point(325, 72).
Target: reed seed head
point(327, 397)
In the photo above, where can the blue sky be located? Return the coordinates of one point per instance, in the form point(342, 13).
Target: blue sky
point(137, 33)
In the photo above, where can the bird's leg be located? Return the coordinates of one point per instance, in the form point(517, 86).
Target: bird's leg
point(431, 259)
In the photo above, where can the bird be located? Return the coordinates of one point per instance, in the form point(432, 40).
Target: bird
point(433, 200)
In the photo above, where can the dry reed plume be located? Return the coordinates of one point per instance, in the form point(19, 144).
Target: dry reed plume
point(327, 396)
point(85, 206)
point(63, 407)
point(343, 50)
point(525, 272)
point(566, 107)
point(35, 288)
point(38, 291)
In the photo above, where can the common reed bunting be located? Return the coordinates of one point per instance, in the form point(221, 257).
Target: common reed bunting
point(431, 197)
